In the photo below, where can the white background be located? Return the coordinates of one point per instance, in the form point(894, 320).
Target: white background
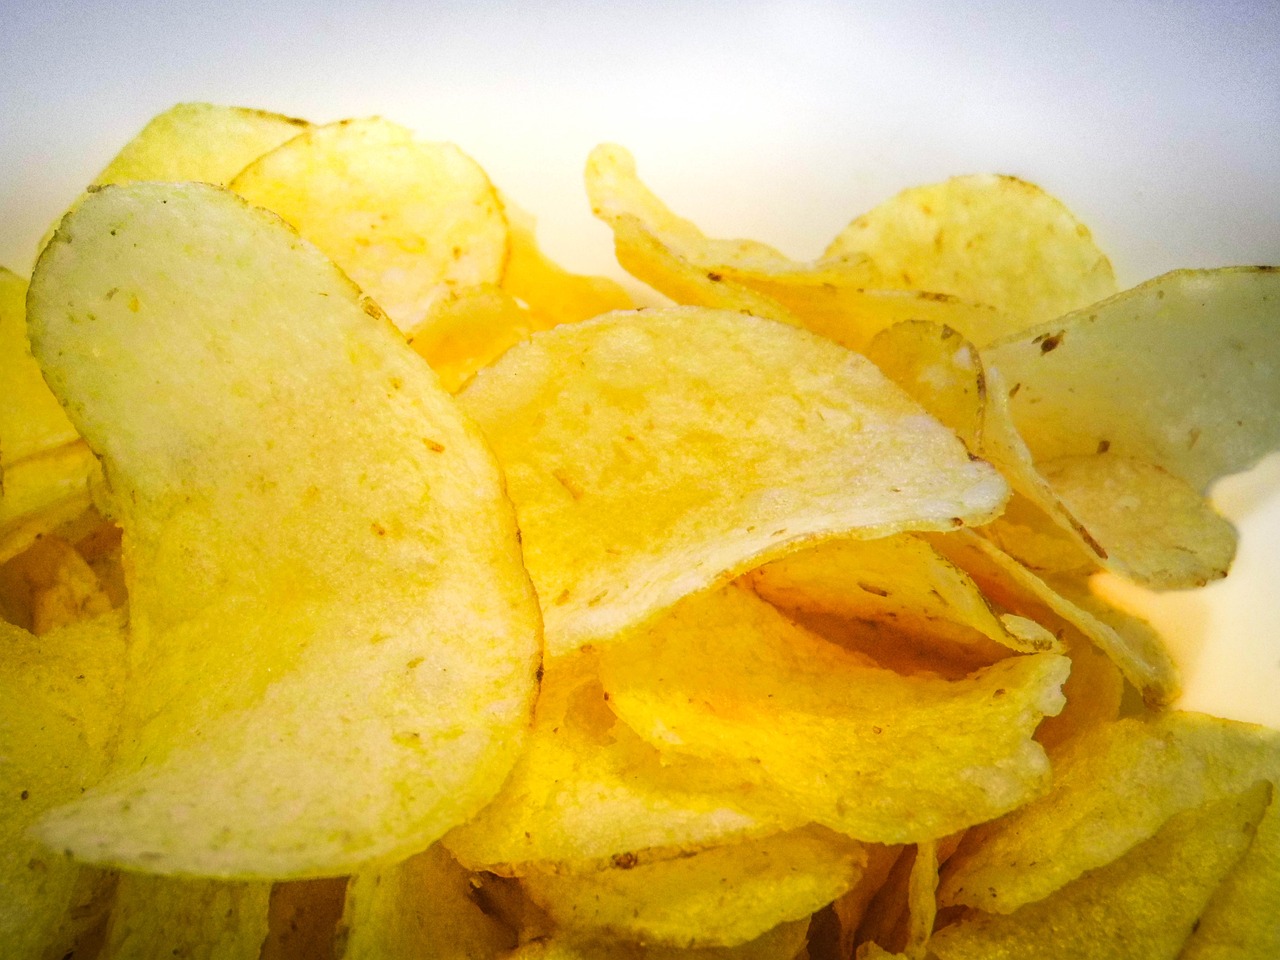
point(1158, 123)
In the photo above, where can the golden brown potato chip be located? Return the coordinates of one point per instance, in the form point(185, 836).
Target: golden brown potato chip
point(60, 704)
point(651, 454)
point(201, 919)
point(407, 220)
point(338, 566)
point(420, 909)
point(718, 896)
point(988, 239)
point(588, 791)
point(863, 750)
point(1142, 906)
point(1113, 788)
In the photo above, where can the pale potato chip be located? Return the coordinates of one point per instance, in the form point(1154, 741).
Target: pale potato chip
point(718, 896)
point(200, 919)
point(1142, 906)
point(1198, 385)
point(1154, 528)
point(200, 141)
point(652, 454)
point(1113, 788)
point(60, 704)
point(407, 220)
point(588, 791)
point(863, 750)
point(338, 567)
point(420, 909)
point(988, 239)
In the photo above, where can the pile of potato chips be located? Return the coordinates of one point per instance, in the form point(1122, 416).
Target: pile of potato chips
point(375, 588)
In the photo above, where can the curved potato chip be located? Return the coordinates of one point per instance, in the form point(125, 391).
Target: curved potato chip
point(1198, 385)
point(786, 941)
point(159, 916)
point(1142, 906)
point(587, 791)
point(988, 239)
point(719, 896)
point(405, 219)
point(653, 454)
point(869, 753)
point(299, 558)
point(1113, 787)
point(469, 329)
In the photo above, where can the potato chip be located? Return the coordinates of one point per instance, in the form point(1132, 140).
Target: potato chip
point(588, 791)
point(1239, 922)
point(1135, 649)
point(302, 917)
point(407, 220)
point(469, 329)
point(200, 141)
point(420, 909)
point(1199, 386)
point(1142, 906)
point(1113, 788)
point(851, 909)
point(988, 239)
point(652, 454)
point(899, 582)
point(299, 559)
point(860, 749)
point(784, 942)
point(59, 713)
point(164, 916)
point(719, 896)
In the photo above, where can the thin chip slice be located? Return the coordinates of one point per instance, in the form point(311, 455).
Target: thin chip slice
point(44, 491)
point(720, 896)
point(1142, 906)
point(339, 566)
point(863, 750)
point(784, 942)
point(652, 454)
point(60, 700)
point(898, 581)
point(1113, 788)
point(1134, 647)
point(420, 909)
point(469, 329)
point(1181, 372)
point(407, 220)
point(938, 367)
point(1155, 528)
point(200, 141)
point(588, 791)
point(200, 919)
point(988, 239)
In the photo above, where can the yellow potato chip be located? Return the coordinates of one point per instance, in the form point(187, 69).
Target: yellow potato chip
point(899, 582)
point(1143, 906)
point(652, 454)
point(407, 220)
point(717, 896)
point(860, 749)
point(60, 703)
point(337, 566)
point(469, 329)
point(784, 942)
point(165, 916)
point(420, 909)
point(200, 141)
point(1113, 788)
point(588, 791)
point(988, 239)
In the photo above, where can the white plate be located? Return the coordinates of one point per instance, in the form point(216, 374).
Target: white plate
point(1159, 124)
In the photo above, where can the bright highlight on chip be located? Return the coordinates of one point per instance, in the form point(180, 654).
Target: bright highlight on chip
point(282, 516)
